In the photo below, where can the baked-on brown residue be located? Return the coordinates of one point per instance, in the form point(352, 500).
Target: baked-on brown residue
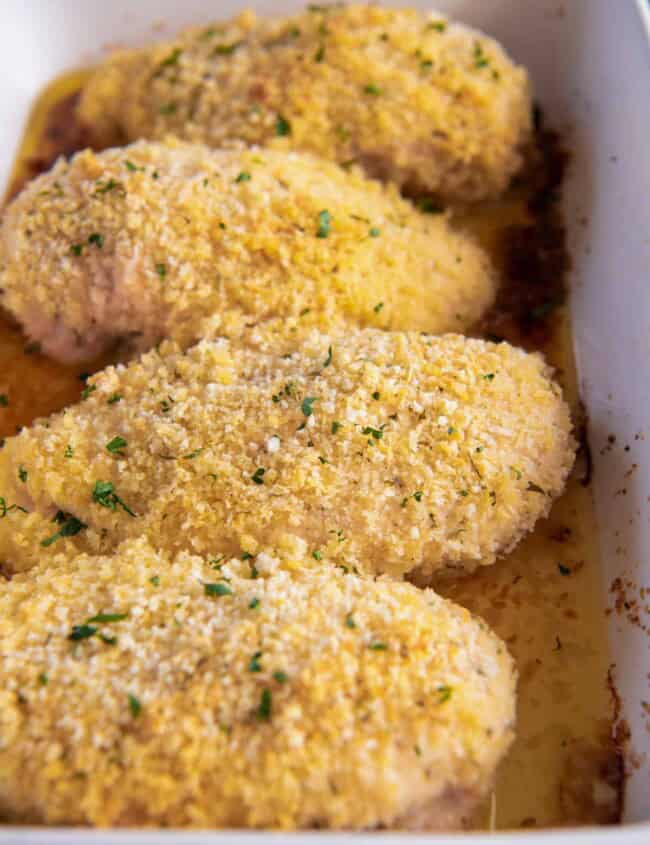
point(535, 259)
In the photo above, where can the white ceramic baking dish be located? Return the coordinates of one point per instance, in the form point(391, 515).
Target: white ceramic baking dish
point(590, 62)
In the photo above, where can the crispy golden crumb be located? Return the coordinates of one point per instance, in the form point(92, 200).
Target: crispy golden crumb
point(206, 692)
point(412, 97)
point(175, 240)
point(382, 452)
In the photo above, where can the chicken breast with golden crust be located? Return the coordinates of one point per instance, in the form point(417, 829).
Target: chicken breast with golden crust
point(175, 240)
point(376, 451)
point(141, 690)
point(430, 104)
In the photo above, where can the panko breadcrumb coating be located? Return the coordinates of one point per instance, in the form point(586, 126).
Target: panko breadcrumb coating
point(382, 452)
point(176, 240)
point(412, 97)
point(136, 690)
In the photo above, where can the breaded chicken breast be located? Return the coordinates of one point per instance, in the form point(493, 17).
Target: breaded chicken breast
point(175, 240)
point(412, 97)
point(376, 451)
point(202, 692)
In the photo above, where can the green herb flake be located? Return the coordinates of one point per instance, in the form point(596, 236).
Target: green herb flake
point(70, 526)
point(349, 621)
point(82, 632)
point(96, 239)
point(429, 206)
point(104, 494)
point(116, 445)
point(132, 168)
point(258, 476)
point(328, 360)
point(377, 433)
point(167, 108)
point(374, 232)
point(254, 664)
point(107, 618)
point(444, 693)
point(376, 395)
point(77, 249)
point(317, 555)
point(254, 603)
point(86, 392)
point(244, 176)
point(217, 589)
point(336, 426)
point(263, 712)
point(372, 89)
point(282, 127)
point(324, 224)
point(113, 399)
point(4, 400)
point(378, 307)
point(320, 54)
point(480, 59)
point(69, 451)
point(438, 26)
point(134, 705)
point(5, 508)
point(155, 580)
point(105, 187)
point(226, 49)
point(307, 405)
point(488, 377)
point(161, 270)
point(280, 676)
point(192, 455)
point(378, 647)
point(43, 679)
point(564, 570)
point(172, 58)
point(22, 474)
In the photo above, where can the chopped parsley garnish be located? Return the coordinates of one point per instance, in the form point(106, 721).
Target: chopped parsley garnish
point(488, 377)
point(317, 555)
point(374, 232)
point(324, 224)
point(193, 454)
point(116, 445)
point(168, 108)
point(430, 206)
point(82, 632)
point(217, 589)
point(113, 398)
point(282, 126)
point(376, 395)
point(378, 647)
point(5, 508)
point(105, 187)
point(166, 405)
point(161, 269)
point(172, 58)
point(4, 400)
point(106, 618)
point(480, 59)
point(132, 168)
point(77, 249)
point(22, 474)
point(320, 54)
point(418, 495)
point(134, 705)
point(155, 580)
point(96, 239)
point(349, 621)
point(255, 665)
point(445, 694)
point(439, 26)
point(263, 712)
point(328, 360)
point(43, 679)
point(378, 307)
point(244, 176)
point(69, 451)
point(258, 475)
point(280, 676)
point(226, 49)
point(70, 526)
point(254, 602)
point(104, 494)
point(372, 89)
point(335, 426)
point(564, 570)
point(377, 433)
point(85, 393)
point(307, 405)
